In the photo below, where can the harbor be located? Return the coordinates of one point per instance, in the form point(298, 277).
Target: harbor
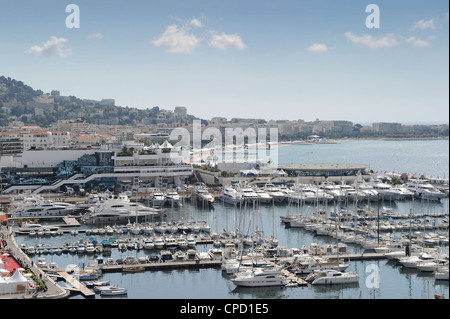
point(286, 239)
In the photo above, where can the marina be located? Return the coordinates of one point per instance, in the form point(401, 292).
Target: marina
point(225, 241)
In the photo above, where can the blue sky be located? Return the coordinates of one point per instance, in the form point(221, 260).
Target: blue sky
point(261, 59)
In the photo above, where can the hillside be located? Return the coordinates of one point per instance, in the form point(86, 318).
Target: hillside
point(20, 102)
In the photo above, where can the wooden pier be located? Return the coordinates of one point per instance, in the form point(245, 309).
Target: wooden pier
point(165, 265)
point(293, 278)
point(356, 257)
point(75, 285)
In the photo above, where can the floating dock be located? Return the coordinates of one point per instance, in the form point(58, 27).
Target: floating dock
point(75, 285)
point(165, 265)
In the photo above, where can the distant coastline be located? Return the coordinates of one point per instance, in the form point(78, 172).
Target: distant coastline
point(339, 140)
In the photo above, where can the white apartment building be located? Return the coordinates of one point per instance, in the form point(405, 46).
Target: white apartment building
point(45, 139)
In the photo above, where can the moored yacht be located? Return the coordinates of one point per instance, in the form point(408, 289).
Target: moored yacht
point(263, 196)
point(424, 190)
point(333, 277)
point(277, 195)
point(260, 278)
point(158, 199)
point(203, 197)
point(173, 199)
point(231, 196)
point(248, 194)
point(120, 209)
point(386, 191)
point(36, 206)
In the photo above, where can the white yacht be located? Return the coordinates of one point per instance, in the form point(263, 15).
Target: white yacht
point(424, 190)
point(307, 266)
point(248, 194)
point(203, 197)
point(158, 199)
point(333, 190)
point(332, 277)
point(260, 278)
point(30, 227)
point(302, 194)
point(369, 191)
point(170, 242)
point(277, 195)
point(386, 191)
point(404, 192)
point(173, 199)
point(93, 199)
point(231, 196)
point(120, 209)
point(148, 243)
point(415, 260)
point(36, 206)
point(158, 242)
point(352, 193)
point(263, 196)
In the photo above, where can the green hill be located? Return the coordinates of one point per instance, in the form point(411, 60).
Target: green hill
point(20, 102)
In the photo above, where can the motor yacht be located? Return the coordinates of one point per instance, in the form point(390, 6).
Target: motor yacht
point(203, 197)
point(231, 196)
point(120, 209)
point(386, 191)
point(158, 199)
point(173, 199)
point(36, 206)
point(274, 192)
point(333, 277)
point(248, 194)
point(424, 190)
point(263, 196)
point(260, 278)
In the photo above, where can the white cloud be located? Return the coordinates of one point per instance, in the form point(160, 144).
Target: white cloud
point(371, 42)
point(419, 42)
point(95, 36)
point(318, 48)
point(176, 40)
point(196, 23)
point(225, 41)
point(54, 46)
point(424, 25)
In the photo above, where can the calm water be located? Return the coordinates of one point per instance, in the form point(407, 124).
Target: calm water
point(427, 157)
point(412, 157)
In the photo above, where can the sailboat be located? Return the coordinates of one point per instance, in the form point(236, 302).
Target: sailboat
point(333, 276)
point(259, 276)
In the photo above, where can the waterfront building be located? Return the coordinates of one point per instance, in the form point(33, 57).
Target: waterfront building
point(323, 169)
point(137, 168)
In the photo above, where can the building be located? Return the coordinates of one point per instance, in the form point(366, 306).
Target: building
point(323, 169)
point(135, 167)
point(10, 144)
point(387, 127)
point(180, 111)
point(45, 139)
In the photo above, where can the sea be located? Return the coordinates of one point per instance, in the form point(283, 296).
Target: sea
point(420, 157)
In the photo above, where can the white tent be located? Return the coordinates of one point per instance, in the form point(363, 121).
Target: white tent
point(166, 144)
point(17, 283)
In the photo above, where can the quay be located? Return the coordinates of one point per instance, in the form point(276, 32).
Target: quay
point(293, 278)
point(75, 285)
point(51, 290)
point(165, 265)
point(356, 257)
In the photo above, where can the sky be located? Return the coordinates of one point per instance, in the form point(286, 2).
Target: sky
point(279, 60)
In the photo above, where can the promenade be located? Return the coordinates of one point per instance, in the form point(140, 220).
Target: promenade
point(51, 290)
